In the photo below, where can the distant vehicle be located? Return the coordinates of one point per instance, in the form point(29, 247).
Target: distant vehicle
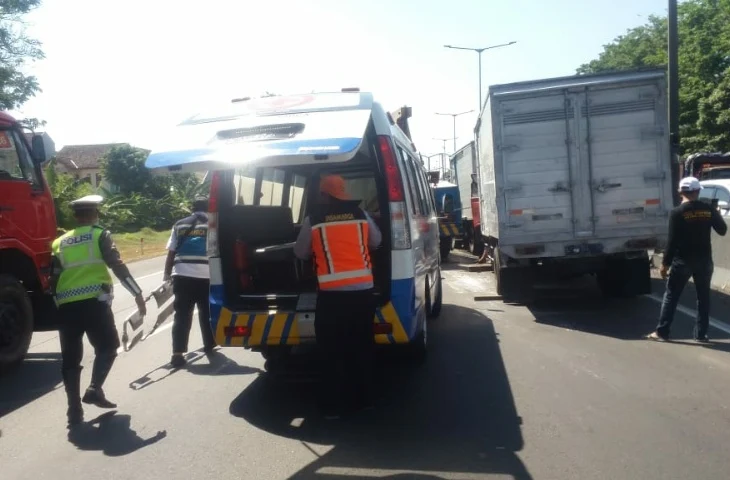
point(707, 166)
point(266, 157)
point(575, 179)
point(717, 191)
point(448, 207)
point(464, 166)
point(27, 228)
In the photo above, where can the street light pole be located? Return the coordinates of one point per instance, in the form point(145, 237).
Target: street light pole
point(454, 115)
point(441, 162)
point(479, 52)
point(673, 54)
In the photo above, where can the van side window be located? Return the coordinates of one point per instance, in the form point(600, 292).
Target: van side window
point(272, 187)
point(244, 182)
point(412, 189)
point(422, 194)
point(427, 197)
point(296, 196)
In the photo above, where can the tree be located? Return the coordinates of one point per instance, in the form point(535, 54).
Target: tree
point(123, 167)
point(704, 40)
point(16, 49)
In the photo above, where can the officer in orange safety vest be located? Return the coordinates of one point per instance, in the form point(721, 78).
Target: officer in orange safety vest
point(340, 236)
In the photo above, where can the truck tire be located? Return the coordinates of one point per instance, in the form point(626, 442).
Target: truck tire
point(445, 246)
point(514, 284)
point(476, 246)
point(16, 322)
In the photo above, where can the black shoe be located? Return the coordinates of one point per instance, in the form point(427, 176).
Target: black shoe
point(703, 339)
point(95, 396)
point(75, 415)
point(209, 349)
point(177, 360)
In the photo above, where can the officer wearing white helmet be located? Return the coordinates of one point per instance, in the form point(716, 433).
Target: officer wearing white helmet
point(689, 254)
point(83, 291)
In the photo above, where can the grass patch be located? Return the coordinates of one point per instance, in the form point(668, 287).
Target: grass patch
point(146, 243)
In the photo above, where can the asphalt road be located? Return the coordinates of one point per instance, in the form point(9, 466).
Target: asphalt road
point(564, 388)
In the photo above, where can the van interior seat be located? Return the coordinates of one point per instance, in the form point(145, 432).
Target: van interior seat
point(261, 226)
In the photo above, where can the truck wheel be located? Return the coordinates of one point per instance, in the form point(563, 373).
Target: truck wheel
point(16, 322)
point(445, 246)
point(513, 284)
point(477, 246)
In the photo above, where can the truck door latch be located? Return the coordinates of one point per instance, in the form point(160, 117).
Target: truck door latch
point(603, 187)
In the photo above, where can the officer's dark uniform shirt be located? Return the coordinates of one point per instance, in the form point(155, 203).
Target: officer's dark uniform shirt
point(690, 225)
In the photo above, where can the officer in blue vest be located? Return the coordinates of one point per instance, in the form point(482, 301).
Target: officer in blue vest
point(82, 288)
point(187, 267)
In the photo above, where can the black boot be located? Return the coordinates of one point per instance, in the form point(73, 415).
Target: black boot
point(94, 394)
point(72, 384)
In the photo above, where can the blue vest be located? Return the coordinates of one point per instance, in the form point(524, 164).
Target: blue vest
point(191, 243)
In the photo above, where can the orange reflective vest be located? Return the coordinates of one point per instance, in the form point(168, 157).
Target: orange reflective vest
point(340, 247)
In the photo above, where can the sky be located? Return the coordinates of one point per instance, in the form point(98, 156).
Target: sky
point(125, 71)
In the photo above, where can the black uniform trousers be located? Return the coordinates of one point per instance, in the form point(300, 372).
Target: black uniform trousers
point(343, 327)
point(189, 293)
point(96, 320)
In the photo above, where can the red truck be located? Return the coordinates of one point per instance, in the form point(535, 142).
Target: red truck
point(27, 228)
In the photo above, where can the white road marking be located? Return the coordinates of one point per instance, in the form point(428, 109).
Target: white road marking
point(141, 278)
point(693, 313)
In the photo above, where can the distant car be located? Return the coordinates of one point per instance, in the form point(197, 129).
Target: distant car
point(717, 189)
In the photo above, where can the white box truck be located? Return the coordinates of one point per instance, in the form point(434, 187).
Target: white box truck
point(464, 172)
point(575, 178)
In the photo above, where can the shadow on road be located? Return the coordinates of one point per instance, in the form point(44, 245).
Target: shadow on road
point(38, 375)
point(111, 434)
point(455, 414)
point(218, 364)
point(579, 305)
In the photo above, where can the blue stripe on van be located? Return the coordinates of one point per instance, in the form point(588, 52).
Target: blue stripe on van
point(402, 294)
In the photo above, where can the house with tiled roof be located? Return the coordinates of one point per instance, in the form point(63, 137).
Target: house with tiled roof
point(84, 161)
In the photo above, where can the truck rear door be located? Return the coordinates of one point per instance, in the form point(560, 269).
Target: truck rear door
point(621, 145)
point(537, 155)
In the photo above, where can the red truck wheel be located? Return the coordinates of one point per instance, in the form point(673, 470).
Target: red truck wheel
point(16, 322)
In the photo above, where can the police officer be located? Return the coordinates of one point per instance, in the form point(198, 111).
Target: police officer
point(689, 254)
point(340, 236)
point(83, 292)
point(187, 267)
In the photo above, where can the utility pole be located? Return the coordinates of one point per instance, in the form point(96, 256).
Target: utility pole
point(454, 115)
point(479, 52)
point(673, 54)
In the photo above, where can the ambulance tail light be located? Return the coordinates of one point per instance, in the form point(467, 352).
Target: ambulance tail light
point(400, 232)
point(213, 199)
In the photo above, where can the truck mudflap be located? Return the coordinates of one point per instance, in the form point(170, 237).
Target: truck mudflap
point(449, 229)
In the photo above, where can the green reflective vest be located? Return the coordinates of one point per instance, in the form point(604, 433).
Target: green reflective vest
point(83, 268)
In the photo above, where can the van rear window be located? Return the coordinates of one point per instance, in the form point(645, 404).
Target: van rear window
point(269, 186)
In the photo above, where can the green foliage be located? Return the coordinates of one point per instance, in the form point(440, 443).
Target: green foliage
point(65, 188)
point(704, 65)
point(124, 168)
point(16, 49)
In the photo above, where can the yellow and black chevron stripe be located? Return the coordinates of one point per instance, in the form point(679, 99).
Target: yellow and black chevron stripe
point(449, 229)
point(283, 329)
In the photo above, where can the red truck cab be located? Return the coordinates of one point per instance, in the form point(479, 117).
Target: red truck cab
point(27, 229)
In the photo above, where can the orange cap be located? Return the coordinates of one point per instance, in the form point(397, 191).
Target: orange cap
point(334, 186)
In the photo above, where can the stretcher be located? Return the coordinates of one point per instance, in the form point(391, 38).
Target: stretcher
point(132, 328)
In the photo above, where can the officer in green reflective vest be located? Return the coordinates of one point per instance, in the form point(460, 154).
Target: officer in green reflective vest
point(83, 292)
